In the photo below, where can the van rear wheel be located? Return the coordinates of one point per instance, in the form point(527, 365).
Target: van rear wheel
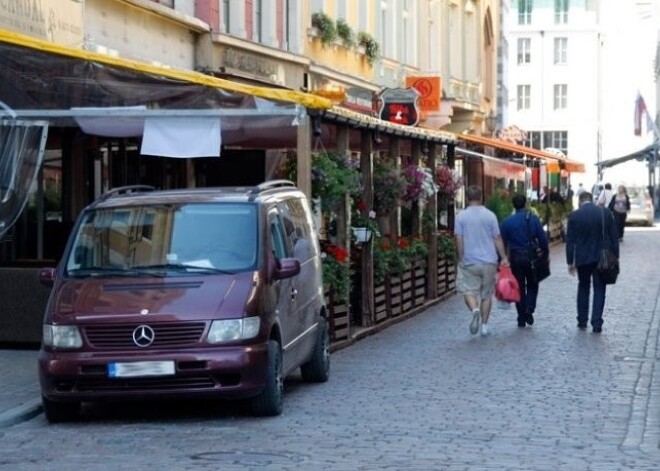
point(270, 401)
point(60, 411)
point(317, 369)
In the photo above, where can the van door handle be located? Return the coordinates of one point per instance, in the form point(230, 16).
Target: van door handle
point(294, 293)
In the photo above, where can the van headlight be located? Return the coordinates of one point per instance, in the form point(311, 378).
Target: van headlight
point(62, 336)
point(228, 330)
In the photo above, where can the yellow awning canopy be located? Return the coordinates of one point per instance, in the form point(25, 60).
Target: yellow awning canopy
point(289, 96)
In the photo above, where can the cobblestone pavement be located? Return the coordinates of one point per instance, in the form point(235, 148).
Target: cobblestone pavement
point(421, 395)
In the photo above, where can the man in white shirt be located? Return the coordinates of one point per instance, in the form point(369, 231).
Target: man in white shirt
point(605, 196)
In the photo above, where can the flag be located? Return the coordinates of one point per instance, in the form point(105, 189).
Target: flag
point(640, 109)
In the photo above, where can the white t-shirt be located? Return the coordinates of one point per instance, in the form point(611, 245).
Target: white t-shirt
point(605, 197)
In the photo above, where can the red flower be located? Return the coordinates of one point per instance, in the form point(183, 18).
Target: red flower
point(402, 243)
point(362, 206)
point(385, 244)
point(339, 253)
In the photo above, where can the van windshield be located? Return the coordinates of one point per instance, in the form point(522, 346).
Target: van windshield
point(165, 240)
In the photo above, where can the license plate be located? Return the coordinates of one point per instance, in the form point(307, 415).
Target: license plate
point(140, 368)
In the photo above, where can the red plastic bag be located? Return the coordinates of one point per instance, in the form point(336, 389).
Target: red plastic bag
point(506, 286)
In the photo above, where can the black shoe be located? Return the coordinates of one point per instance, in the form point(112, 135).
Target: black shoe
point(530, 319)
point(521, 324)
point(582, 326)
point(598, 330)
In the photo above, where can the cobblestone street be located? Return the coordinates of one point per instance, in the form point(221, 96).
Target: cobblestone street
point(421, 395)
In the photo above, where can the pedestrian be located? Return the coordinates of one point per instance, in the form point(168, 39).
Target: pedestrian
point(518, 230)
point(478, 243)
point(590, 228)
point(580, 190)
point(620, 206)
point(605, 196)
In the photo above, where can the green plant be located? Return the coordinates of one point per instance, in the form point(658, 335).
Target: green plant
point(371, 46)
point(389, 187)
point(333, 176)
point(447, 246)
point(336, 270)
point(345, 33)
point(326, 26)
point(500, 203)
point(392, 256)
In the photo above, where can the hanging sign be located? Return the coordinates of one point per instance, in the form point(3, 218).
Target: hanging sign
point(400, 105)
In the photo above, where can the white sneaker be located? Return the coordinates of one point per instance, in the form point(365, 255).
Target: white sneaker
point(476, 321)
point(485, 330)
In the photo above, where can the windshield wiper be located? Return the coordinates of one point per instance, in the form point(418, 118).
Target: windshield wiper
point(106, 272)
point(182, 267)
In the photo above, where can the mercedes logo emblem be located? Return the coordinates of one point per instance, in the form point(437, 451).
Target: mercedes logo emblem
point(143, 336)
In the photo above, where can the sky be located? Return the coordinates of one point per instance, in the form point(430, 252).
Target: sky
point(630, 39)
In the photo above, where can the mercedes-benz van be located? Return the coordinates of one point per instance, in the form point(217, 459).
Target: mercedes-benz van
point(208, 292)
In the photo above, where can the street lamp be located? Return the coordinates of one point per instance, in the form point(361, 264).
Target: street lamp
point(491, 122)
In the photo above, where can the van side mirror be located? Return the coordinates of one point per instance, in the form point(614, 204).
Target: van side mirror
point(286, 268)
point(47, 277)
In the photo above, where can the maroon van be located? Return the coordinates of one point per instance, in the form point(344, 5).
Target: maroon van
point(208, 292)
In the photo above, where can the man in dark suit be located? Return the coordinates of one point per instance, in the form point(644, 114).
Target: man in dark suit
point(589, 228)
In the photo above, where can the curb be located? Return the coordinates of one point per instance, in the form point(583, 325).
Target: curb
point(21, 413)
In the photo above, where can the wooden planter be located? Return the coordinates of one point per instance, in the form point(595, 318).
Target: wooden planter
point(339, 317)
point(446, 275)
point(397, 295)
point(555, 231)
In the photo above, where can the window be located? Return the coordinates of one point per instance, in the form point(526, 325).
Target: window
point(544, 139)
point(524, 93)
point(524, 50)
point(524, 12)
point(560, 94)
point(561, 44)
point(561, 12)
point(225, 15)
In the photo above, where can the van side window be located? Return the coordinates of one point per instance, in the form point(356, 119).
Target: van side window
point(277, 238)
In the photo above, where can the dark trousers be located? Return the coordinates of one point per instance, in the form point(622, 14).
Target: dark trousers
point(587, 273)
point(620, 219)
point(529, 288)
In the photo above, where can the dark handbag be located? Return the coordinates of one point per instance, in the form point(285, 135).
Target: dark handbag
point(539, 261)
point(608, 263)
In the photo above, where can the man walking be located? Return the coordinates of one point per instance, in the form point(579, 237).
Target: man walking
point(589, 228)
point(517, 232)
point(478, 243)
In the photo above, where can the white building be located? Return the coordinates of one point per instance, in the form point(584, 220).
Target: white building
point(575, 67)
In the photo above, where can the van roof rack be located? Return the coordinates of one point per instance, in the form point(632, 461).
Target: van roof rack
point(124, 190)
point(271, 185)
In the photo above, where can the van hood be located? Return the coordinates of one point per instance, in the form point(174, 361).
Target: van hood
point(168, 299)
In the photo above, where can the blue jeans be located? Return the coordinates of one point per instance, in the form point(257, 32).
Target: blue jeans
point(587, 273)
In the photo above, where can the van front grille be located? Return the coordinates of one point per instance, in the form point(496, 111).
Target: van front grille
point(120, 336)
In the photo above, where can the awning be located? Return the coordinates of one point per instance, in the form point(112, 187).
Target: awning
point(341, 115)
point(494, 167)
point(555, 163)
point(29, 48)
point(647, 153)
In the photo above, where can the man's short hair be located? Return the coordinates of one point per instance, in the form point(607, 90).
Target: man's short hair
point(586, 196)
point(519, 201)
point(608, 186)
point(474, 193)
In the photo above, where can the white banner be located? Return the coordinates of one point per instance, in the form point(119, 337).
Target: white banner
point(182, 137)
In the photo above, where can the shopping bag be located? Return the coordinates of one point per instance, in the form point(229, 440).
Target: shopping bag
point(506, 286)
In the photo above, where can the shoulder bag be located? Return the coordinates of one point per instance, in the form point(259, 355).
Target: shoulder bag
point(608, 264)
point(538, 260)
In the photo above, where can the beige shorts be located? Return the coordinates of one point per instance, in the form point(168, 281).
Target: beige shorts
point(477, 280)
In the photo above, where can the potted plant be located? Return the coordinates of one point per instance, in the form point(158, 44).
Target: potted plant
point(420, 184)
point(345, 33)
point(500, 203)
point(449, 182)
point(371, 46)
point(326, 27)
point(333, 177)
point(389, 188)
point(336, 271)
point(363, 223)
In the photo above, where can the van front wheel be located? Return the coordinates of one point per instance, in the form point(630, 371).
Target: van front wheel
point(317, 369)
point(270, 401)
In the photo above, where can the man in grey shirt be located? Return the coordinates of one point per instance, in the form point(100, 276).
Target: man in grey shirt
point(478, 243)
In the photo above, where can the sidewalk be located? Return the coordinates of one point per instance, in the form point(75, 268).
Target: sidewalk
point(19, 389)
